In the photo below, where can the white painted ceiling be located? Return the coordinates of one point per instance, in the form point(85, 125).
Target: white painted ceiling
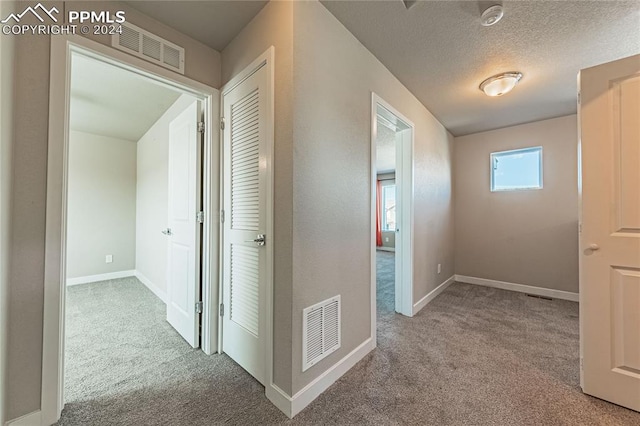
point(110, 101)
point(439, 50)
point(214, 23)
point(385, 150)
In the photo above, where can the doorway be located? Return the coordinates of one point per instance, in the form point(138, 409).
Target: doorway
point(192, 203)
point(132, 264)
point(392, 209)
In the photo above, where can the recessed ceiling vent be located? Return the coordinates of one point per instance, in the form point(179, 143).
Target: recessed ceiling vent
point(145, 45)
point(320, 331)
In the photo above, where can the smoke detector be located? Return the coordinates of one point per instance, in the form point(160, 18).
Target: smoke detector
point(492, 15)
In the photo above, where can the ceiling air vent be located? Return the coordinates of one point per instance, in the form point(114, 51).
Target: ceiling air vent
point(320, 331)
point(145, 45)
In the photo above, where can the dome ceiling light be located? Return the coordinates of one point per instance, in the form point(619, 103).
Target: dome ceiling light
point(491, 15)
point(500, 84)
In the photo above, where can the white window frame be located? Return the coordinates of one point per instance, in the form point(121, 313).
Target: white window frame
point(383, 212)
point(493, 156)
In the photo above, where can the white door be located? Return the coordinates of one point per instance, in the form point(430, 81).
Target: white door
point(609, 117)
point(183, 268)
point(246, 156)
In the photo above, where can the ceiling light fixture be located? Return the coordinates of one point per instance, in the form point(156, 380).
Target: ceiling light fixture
point(492, 15)
point(500, 84)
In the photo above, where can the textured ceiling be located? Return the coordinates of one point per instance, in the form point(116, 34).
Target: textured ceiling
point(439, 50)
point(109, 101)
point(214, 23)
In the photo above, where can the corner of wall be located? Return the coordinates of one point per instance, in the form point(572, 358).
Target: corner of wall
point(273, 26)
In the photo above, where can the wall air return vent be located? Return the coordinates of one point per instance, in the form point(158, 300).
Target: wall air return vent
point(320, 331)
point(148, 46)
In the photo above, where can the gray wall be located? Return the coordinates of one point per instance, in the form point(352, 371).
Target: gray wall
point(523, 237)
point(101, 208)
point(31, 84)
point(334, 77)
point(273, 26)
point(7, 54)
point(152, 197)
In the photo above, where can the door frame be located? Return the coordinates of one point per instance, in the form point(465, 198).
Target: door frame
point(265, 60)
point(62, 48)
point(404, 250)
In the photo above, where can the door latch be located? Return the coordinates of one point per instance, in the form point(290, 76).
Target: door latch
point(260, 240)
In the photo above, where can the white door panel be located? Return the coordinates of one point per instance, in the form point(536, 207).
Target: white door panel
point(183, 269)
point(245, 189)
point(609, 117)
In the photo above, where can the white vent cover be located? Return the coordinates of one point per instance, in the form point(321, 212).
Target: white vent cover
point(320, 331)
point(142, 43)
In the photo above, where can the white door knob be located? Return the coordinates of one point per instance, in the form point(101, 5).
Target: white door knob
point(594, 247)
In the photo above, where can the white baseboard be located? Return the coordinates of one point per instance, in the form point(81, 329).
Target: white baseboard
point(432, 294)
point(538, 291)
point(293, 405)
point(31, 419)
point(100, 277)
point(321, 383)
point(279, 398)
point(151, 286)
point(382, 248)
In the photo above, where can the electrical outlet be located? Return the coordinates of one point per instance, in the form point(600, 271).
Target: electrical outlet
point(439, 267)
point(108, 258)
point(386, 239)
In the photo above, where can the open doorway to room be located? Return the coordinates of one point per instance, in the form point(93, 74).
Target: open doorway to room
point(133, 240)
point(392, 173)
point(386, 215)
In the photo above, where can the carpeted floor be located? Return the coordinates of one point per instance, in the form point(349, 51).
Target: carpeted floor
point(385, 285)
point(473, 356)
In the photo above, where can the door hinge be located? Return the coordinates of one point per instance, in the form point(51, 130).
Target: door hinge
point(200, 216)
point(198, 307)
point(201, 126)
point(221, 216)
point(579, 228)
point(221, 123)
point(222, 309)
point(579, 98)
point(581, 364)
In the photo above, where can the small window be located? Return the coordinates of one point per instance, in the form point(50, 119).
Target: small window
point(516, 170)
point(389, 208)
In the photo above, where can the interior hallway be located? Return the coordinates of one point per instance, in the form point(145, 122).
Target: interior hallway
point(474, 355)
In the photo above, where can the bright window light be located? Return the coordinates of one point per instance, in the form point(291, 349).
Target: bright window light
point(389, 208)
point(516, 170)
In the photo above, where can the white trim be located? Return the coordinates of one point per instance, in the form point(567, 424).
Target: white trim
point(433, 294)
point(294, 405)
point(62, 46)
point(373, 194)
point(100, 277)
point(279, 398)
point(538, 291)
point(31, 419)
point(160, 294)
point(266, 60)
point(383, 248)
point(321, 383)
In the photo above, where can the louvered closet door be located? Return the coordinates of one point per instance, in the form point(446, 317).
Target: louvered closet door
point(245, 189)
